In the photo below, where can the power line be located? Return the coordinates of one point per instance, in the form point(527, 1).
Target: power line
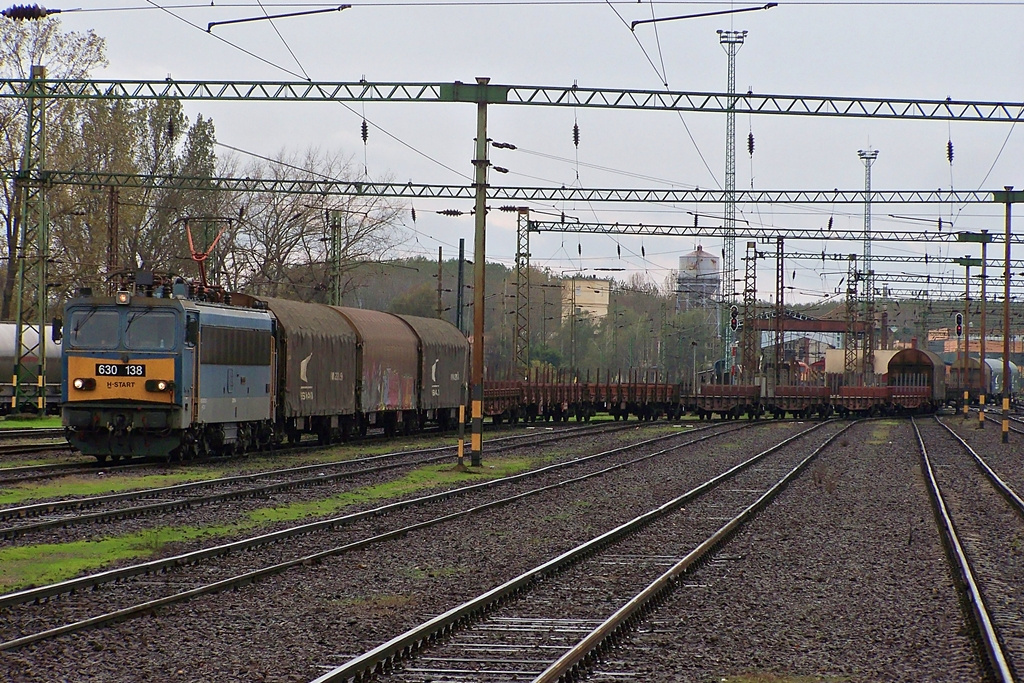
point(308, 79)
point(576, 3)
point(266, 15)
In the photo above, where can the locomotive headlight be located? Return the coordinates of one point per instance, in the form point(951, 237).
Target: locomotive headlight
point(84, 383)
point(159, 385)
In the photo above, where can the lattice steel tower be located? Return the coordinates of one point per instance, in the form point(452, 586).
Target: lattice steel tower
point(731, 42)
point(868, 156)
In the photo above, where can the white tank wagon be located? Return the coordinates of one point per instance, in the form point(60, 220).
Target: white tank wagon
point(8, 333)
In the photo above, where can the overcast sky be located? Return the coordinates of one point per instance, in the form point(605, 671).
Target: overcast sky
point(932, 50)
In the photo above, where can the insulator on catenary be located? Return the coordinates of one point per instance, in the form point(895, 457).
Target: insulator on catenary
point(450, 212)
point(365, 129)
point(830, 222)
point(413, 212)
point(20, 12)
point(949, 150)
point(750, 144)
point(576, 134)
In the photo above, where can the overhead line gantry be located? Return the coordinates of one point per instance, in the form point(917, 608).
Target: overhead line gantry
point(551, 96)
point(762, 233)
point(330, 187)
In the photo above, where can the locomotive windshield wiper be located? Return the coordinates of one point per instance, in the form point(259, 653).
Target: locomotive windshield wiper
point(135, 316)
point(78, 326)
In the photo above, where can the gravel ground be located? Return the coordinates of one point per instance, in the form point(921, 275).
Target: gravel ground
point(310, 617)
point(1004, 458)
point(843, 578)
point(991, 532)
point(25, 619)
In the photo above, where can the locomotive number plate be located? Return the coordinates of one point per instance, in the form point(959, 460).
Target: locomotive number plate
point(119, 370)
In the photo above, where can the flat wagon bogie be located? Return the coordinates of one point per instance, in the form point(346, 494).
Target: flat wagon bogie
point(799, 401)
point(862, 400)
point(729, 400)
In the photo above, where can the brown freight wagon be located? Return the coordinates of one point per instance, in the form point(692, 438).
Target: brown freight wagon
point(317, 370)
point(443, 363)
point(387, 362)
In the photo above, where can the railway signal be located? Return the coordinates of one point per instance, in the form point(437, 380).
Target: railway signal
point(959, 325)
point(734, 322)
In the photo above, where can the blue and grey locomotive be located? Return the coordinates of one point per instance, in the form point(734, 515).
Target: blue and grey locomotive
point(155, 372)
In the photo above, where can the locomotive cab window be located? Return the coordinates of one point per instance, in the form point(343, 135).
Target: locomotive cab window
point(150, 330)
point(95, 329)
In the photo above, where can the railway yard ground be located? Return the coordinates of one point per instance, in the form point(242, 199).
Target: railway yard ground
point(731, 551)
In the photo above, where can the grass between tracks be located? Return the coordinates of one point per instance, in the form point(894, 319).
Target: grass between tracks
point(29, 422)
point(101, 482)
point(33, 565)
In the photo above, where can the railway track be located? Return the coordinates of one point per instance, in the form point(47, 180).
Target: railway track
point(173, 579)
point(35, 472)
point(151, 501)
point(982, 518)
point(1016, 424)
point(552, 622)
point(32, 433)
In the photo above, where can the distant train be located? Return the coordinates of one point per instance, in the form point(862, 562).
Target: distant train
point(171, 370)
point(978, 378)
point(914, 382)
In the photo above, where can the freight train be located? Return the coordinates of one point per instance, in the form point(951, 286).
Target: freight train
point(165, 368)
point(914, 381)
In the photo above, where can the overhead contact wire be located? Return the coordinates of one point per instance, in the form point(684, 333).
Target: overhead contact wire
point(227, 42)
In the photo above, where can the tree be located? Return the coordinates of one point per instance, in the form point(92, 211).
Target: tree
point(420, 301)
point(65, 55)
point(282, 247)
point(96, 231)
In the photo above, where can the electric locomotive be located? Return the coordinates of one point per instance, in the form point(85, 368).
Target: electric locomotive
point(158, 371)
